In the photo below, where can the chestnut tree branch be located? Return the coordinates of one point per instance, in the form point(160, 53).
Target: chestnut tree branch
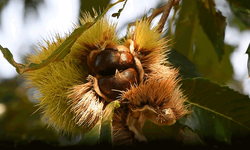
point(165, 14)
point(156, 12)
point(164, 9)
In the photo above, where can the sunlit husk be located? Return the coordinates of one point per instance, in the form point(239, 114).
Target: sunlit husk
point(66, 104)
point(149, 47)
point(96, 37)
point(159, 92)
point(86, 105)
point(70, 103)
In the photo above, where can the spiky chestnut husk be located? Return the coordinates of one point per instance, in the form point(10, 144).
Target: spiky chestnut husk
point(72, 99)
point(67, 99)
point(158, 97)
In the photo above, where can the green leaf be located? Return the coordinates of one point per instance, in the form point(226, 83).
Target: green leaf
point(186, 28)
point(170, 135)
point(106, 135)
point(155, 132)
point(245, 4)
point(102, 133)
point(160, 135)
point(189, 137)
point(88, 6)
point(206, 61)
point(60, 52)
point(194, 40)
point(218, 111)
point(9, 57)
point(236, 22)
point(242, 14)
point(213, 24)
point(186, 68)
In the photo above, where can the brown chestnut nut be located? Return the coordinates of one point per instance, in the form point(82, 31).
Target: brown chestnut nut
point(108, 60)
point(111, 86)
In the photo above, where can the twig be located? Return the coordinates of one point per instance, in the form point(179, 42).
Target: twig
point(165, 9)
point(156, 12)
point(165, 14)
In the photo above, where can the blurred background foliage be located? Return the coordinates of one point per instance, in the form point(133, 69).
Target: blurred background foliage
point(198, 47)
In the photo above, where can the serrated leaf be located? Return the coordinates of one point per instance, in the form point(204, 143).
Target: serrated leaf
point(218, 111)
point(186, 68)
point(186, 28)
point(242, 14)
point(240, 3)
point(206, 61)
point(102, 133)
point(60, 52)
point(213, 24)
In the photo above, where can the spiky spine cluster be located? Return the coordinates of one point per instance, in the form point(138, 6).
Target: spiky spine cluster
point(158, 93)
point(62, 98)
point(52, 82)
point(71, 104)
point(86, 105)
point(160, 89)
point(96, 37)
point(149, 47)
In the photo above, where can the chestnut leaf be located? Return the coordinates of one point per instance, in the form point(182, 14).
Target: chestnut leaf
point(218, 112)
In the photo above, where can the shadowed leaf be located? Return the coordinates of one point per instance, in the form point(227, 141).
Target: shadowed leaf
point(206, 60)
point(88, 6)
point(240, 3)
point(242, 14)
point(187, 68)
point(189, 137)
point(186, 28)
point(218, 111)
point(213, 24)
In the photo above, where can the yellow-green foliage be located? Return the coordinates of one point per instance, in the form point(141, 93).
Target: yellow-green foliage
point(54, 81)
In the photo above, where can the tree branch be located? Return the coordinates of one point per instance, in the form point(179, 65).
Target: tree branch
point(165, 14)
